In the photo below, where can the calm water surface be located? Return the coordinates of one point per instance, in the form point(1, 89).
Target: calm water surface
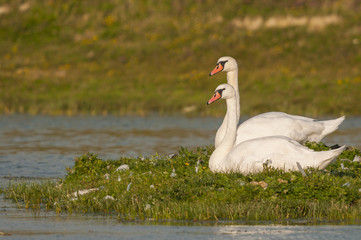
point(42, 146)
point(23, 224)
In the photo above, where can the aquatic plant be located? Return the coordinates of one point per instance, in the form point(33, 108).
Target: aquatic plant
point(181, 187)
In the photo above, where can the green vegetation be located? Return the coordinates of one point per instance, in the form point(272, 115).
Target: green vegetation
point(136, 57)
point(183, 188)
point(139, 57)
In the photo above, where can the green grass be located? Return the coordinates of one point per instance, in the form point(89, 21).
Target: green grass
point(139, 57)
point(159, 188)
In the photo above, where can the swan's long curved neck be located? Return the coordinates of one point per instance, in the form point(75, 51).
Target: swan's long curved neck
point(232, 122)
point(232, 79)
point(218, 159)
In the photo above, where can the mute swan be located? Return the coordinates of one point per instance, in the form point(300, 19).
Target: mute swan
point(298, 128)
point(251, 155)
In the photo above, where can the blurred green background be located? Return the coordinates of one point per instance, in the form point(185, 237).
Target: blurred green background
point(140, 57)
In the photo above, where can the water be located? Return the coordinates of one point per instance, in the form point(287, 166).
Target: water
point(24, 224)
point(42, 146)
point(107, 229)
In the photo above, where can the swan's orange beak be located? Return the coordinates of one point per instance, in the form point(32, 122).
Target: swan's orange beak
point(214, 98)
point(217, 69)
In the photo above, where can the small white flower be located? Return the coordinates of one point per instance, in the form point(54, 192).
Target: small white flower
point(123, 167)
point(173, 174)
point(147, 207)
point(172, 156)
point(357, 158)
point(151, 186)
point(83, 192)
point(108, 197)
point(128, 187)
point(343, 167)
point(106, 176)
point(242, 183)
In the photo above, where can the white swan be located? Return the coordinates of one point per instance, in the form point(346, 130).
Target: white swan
point(251, 155)
point(298, 128)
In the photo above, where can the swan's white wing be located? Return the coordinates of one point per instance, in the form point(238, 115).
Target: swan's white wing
point(278, 152)
point(270, 115)
point(278, 124)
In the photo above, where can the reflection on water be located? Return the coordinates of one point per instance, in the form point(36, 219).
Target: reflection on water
point(291, 232)
point(25, 224)
point(22, 224)
point(42, 146)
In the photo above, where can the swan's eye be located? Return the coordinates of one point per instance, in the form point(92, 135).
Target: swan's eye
point(224, 62)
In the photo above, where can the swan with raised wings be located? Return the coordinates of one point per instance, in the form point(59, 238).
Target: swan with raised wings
point(250, 156)
point(298, 128)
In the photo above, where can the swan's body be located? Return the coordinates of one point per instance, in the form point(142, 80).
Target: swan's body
point(298, 128)
point(250, 156)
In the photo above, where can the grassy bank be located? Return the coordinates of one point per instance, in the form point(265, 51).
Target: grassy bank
point(136, 57)
point(183, 188)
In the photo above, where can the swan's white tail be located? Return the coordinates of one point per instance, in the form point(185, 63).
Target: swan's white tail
point(330, 156)
point(329, 127)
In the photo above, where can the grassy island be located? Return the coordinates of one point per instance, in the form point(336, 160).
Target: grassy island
point(181, 187)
